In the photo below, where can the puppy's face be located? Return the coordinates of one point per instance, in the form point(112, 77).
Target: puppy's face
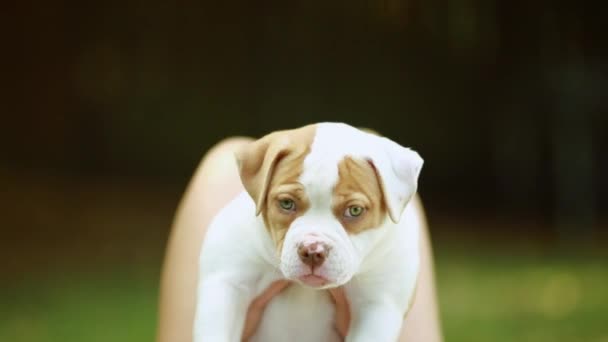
point(325, 192)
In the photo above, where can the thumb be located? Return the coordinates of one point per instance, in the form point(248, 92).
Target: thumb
point(342, 319)
point(256, 308)
point(274, 289)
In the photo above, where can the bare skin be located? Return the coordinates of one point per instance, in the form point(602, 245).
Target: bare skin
point(214, 184)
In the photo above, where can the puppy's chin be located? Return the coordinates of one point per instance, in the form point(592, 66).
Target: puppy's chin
point(315, 281)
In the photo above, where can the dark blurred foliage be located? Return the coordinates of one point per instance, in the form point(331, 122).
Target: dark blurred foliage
point(505, 100)
point(108, 106)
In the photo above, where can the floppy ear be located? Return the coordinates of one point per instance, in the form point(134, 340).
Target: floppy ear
point(398, 169)
point(256, 162)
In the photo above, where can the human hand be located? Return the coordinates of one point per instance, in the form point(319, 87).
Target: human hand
point(342, 318)
point(257, 306)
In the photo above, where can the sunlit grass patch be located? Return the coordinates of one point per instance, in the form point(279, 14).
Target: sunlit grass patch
point(518, 298)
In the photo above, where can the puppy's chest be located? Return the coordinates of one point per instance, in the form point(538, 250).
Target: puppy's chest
point(298, 314)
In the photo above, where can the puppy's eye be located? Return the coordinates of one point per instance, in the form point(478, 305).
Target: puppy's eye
point(354, 211)
point(287, 204)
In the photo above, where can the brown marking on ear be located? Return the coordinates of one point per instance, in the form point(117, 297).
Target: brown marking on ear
point(370, 131)
point(358, 184)
point(256, 162)
point(270, 168)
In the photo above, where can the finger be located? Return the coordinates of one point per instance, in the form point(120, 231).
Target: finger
point(338, 295)
point(254, 314)
point(273, 290)
point(257, 306)
point(342, 315)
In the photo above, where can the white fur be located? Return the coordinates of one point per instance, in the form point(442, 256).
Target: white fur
point(378, 267)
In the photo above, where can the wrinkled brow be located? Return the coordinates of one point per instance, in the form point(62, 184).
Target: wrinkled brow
point(295, 189)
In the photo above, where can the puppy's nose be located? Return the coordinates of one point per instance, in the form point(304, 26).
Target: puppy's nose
point(313, 254)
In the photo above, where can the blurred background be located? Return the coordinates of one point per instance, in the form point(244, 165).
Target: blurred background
point(108, 106)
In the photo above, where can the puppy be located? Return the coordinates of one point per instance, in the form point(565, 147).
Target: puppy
point(324, 205)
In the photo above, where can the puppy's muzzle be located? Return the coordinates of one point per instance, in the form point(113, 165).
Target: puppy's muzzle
point(313, 254)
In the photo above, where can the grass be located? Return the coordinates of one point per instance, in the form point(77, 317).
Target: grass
point(120, 306)
point(484, 297)
point(523, 298)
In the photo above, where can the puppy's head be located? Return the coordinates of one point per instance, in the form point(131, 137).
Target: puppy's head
point(327, 192)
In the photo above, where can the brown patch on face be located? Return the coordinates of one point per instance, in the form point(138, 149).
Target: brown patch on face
point(358, 185)
point(284, 152)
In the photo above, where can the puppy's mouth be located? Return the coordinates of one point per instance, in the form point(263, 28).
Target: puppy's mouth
point(313, 280)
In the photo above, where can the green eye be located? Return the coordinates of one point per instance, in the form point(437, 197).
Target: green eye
point(354, 211)
point(287, 204)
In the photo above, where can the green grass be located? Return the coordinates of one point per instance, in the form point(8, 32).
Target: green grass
point(120, 306)
point(515, 298)
point(484, 297)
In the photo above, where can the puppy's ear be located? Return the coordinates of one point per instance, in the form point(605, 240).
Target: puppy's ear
point(369, 130)
point(398, 169)
point(256, 162)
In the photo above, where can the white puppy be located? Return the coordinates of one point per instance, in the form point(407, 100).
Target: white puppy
point(325, 205)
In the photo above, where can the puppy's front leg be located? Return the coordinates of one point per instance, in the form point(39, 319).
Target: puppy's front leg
point(379, 302)
point(375, 321)
point(221, 310)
